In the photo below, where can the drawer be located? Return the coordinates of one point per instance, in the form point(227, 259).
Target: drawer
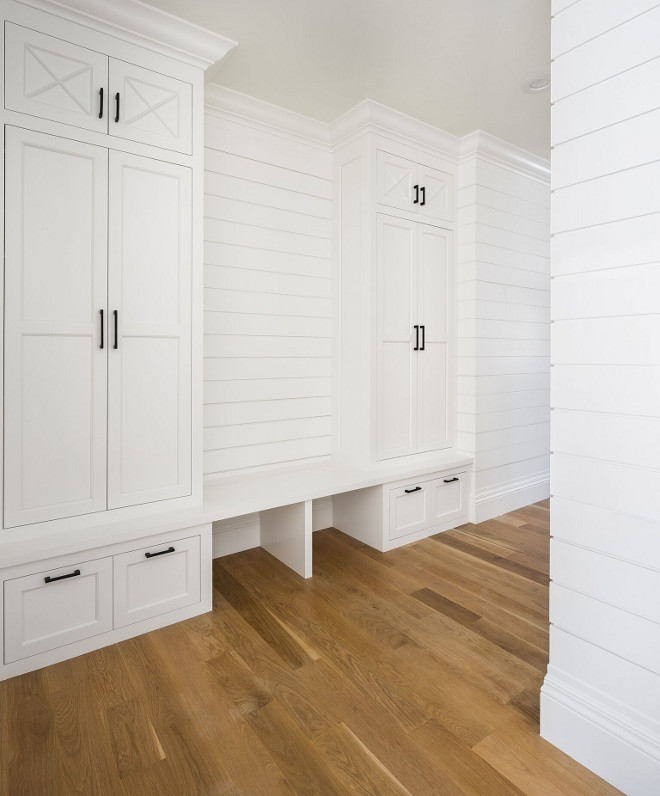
point(448, 497)
point(57, 607)
point(410, 509)
point(154, 580)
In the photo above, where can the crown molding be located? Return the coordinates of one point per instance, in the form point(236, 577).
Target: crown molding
point(501, 153)
point(222, 101)
point(371, 116)
point(137, 22)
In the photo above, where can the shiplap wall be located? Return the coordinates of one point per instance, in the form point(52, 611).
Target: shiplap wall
point(601, 698)
point(503, 331)
point(268, 284)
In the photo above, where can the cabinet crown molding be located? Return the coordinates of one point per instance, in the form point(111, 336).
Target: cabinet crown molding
point(490, 147)
point(142, 24)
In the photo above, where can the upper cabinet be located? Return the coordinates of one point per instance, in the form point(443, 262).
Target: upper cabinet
point(407, 185)
point(74, 85)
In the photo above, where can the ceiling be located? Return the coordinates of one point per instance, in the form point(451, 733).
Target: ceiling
point(457, 64)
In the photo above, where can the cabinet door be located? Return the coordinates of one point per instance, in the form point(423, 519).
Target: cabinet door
point(55, 287)
point(50, 609)
point(54, 79)
point(397, 361)
point(410, 510)
point(395, 180)
point(438, 194)
point(434, 246)
point(149, 294)
point(448, 498)
point(150, 107)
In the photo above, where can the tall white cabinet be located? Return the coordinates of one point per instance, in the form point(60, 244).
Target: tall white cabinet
point(396, 252)
point(103, 536)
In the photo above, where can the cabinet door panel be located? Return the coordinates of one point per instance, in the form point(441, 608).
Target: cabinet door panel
point(397, 362)
point(438, 194)
point(153, 108)
point(448, 498)
point(54, 79)
point(410, 510)
point(433, 285)
point(395, 180)
point(55, 287)
point(149, 426)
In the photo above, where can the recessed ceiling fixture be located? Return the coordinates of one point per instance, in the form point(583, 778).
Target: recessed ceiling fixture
point(537, 83)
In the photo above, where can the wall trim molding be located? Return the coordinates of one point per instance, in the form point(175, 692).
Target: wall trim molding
point(583, 722)
point(137, 22)
point(509, 496)
point(492, 149)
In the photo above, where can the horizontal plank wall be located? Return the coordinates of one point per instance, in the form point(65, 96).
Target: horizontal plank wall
point(601, 698)
point(504, 323)
point(268, 287)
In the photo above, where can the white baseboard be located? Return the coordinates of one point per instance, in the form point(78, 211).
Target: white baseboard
point(503, 498)
point(236, 534)
point(611, 740)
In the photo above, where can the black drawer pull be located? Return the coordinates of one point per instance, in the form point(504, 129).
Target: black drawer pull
point(74, 574)
point(423, 345)
point(416, 489)
point(102, 329)
point(416, 328)
point(100, 103)
point(117, 108)
point(416, 199)
point(450, 480)
point(159, 553)
point(423, 202)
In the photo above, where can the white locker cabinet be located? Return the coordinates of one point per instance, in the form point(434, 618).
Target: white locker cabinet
point(55, 291)
point(406, 185)
point(155, 580)
point(413, 337)
point(49, 609)
point(149, 283)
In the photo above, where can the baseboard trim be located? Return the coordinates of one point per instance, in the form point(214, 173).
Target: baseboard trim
point(510, 496)
point(615, 744)
point(236, 534)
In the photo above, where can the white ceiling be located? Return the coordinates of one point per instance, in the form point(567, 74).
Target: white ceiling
point(457, 64)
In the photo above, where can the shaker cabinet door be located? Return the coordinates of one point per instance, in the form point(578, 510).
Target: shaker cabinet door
point(55, 288)
point(149, 363)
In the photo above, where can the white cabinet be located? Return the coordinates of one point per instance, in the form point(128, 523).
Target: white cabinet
point(410, 510)
point(406, 185)
point(97, 412)
point(55, 291)
point(55, 79)
point(413, 336)
point(155, 580)
point(49, 609)
point(149, 295)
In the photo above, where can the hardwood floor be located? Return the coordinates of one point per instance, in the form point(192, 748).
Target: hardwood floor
point(411, 672)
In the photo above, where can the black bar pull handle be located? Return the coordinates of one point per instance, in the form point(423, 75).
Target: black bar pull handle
point(100, 103)
point(450, 480)
point(116, 107)
point(416, 199)
point(423, 202)
point(416, 489)
point(73, 574)
point(102, 330)
point(115, 321)
point(159, 553)
point(423, 345)
point(416, 328)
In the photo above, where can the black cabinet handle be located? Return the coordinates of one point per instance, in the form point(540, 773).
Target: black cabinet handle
point(416, 328)
point(422, 347)
point(159, 553)
point(116, 107)
point(102, 329)
point(450, 480)
point(115, 321)
point(416, 189)
point(100, 103)
point(74, 574)
point(423, 202)
point(416, 489)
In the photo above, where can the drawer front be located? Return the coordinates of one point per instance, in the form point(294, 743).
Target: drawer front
point(53, 608)
point(153, 108)
point(410, 509)
point(448, 497)
point(53, 79)
point(155, 580)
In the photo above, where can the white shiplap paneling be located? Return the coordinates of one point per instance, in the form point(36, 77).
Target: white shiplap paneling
point(268, 298)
